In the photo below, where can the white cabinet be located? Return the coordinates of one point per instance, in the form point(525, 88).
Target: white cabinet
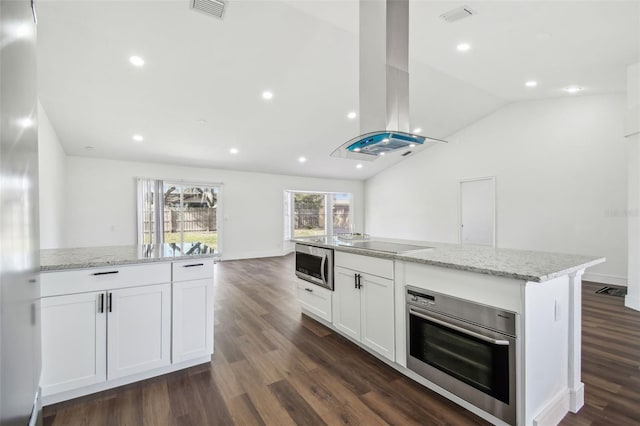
point(315, 299)
point(135, 321)
point(346, 302)
point(363, 309)
point(377, 313)
point(192, 309)
point(74, 339)
point(139, 329)
point(105, 327)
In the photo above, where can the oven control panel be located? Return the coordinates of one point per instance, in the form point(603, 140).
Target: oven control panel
point(486, 316)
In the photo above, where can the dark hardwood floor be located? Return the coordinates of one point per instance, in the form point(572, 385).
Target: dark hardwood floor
point(274, 366)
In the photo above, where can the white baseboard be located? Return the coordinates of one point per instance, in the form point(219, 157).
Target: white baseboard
point(554, 412)
point(632, 302)
point(605, 278)
point(576, 398)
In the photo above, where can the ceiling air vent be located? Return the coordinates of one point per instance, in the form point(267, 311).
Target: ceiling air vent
point(458, 14)
point(210, 7)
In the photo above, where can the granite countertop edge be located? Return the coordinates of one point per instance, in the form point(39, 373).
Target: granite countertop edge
point(469, 268)
point(100, 264)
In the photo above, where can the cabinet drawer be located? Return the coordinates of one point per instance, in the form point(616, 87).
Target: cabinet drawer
point(371, 265)
point(315, 299)
point(57, 283)
point(192, 269)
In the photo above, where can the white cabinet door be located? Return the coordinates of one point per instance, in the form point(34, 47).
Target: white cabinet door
point(74, 341)
point(377, 310)
point(192, 319)
point(346, 303)
point(139, 329)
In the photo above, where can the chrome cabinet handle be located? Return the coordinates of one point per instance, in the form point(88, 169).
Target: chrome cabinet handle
point(460, 329)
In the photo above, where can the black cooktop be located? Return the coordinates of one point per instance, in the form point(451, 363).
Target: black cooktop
point(386, 247)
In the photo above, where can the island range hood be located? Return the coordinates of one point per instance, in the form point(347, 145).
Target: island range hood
point(384, 83)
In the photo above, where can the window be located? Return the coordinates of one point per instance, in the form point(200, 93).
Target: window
point(179, 213)
point(317, 213)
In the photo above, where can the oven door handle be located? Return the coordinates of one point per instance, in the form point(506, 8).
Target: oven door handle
point(460, 329)
point(322, 265)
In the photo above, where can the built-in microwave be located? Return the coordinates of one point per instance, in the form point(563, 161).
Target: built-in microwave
point(315, 264)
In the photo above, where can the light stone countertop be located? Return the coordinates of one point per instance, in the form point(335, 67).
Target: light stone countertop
point(524, 265)
point(94, 257)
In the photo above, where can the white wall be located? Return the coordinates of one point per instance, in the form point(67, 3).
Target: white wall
point(101, 203)
point(51, 165)
point(561, 183)
point(632, 135)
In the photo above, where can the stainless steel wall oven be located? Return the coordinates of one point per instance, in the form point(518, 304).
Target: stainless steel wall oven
point(464, 347)
point(315, 264)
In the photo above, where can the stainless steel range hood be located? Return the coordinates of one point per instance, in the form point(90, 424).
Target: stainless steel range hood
point(384, 83)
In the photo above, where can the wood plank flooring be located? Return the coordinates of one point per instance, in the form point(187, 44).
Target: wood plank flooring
point(274, 366)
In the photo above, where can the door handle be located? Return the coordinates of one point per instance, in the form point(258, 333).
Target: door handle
point(460, 329)
point(101, 303)
point(109, 302)
point(322, 266)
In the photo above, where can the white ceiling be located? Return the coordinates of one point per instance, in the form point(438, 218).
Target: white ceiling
point(201, 68)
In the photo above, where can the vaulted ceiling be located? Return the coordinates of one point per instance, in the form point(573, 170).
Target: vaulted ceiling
point(199, 93)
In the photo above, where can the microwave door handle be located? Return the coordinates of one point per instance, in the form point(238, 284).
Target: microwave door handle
point(322, 265)
point(460, 329)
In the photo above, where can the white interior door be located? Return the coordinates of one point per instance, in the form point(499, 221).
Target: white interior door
point(477, 211)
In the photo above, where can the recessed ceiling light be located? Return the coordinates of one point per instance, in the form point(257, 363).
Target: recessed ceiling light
point(417, 130)
point(26, 122)
point(382, 153)
point(267, 95)
point(412, 145)
point(234, 151)
point(352, 115)
point(531, 83)
point(573, 89)
point(88, 148)
point(358, 166)
point(136, 61)
point(137, 138)
point(302, 159)
point(463, 47)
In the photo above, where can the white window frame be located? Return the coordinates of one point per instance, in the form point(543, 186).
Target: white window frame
point(182, 183)
point(289, 206)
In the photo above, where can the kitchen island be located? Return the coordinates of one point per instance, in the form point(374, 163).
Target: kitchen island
point(375, 286)
point(115, 315)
